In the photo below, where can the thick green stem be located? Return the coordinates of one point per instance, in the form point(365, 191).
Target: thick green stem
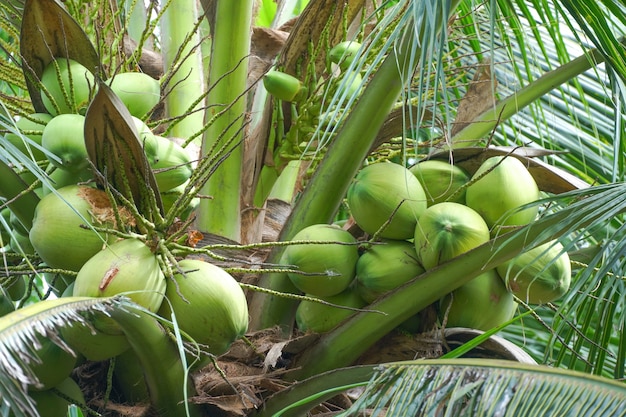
point(185, 65)
point(503, 110)
point(168, 383)
point(299, 398)
point(342, 160)
point(228, 74)
point(344, 344)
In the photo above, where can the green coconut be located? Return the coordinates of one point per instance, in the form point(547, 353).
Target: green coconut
point(58, 283)
point(20, 243)
point(441, 181)
point(57, 234)
point(17, 225)
point(64, 137)
point(60, 178)
point(503, 184)
point(384, 267)
point(31, 127)
point(315, 317)
point(93, 344)
point(6, 303)
point(283, 86)
point(138, 91)
point(343, 53)
point(54, 402)
point(169, 197)
point(53, 364)
point(213, 308)
point(88, 340)
point(129, 378)
point(16, 287)
point(74, 92)
point(539, 275)
point(386, 192)
point(125, 267)
point(170, 162)
point(5, 227)
point(482, 303)
point(447, 230)
point(328, 268)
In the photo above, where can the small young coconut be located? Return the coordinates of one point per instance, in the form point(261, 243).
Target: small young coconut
point(540, 275)
point(447, 230)
point(344, 53)
point(57, 234)
point(505, 186)
point(284, 86)
point(384, 267)
point(6, 303)
point(386, 192)
point(213, 308)
point(20, 243)
point(328, 268)
point(127, 266)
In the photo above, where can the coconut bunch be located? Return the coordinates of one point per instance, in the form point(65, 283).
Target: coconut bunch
point(56, 139)
point(415, 219)
point(94, 247)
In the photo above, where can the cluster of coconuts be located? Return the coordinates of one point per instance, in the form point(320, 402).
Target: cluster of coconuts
point(417, 219)
point(72, 230)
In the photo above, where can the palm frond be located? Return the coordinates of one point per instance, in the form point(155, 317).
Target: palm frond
point(21, 333)
point(476, 387)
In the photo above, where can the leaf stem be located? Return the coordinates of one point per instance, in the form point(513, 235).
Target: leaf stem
point(506, 108)
point(229, 70)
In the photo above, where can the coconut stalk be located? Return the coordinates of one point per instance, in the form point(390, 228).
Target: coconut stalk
point(506, 108)
point(182, 61)
point(228, 72)
point(341, 162)
point(163, 364)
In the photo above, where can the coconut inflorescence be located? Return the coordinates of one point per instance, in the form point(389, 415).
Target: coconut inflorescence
point(89, 245)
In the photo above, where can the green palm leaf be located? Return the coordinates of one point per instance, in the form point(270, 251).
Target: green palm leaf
point(19, 333)
point(477, 387)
